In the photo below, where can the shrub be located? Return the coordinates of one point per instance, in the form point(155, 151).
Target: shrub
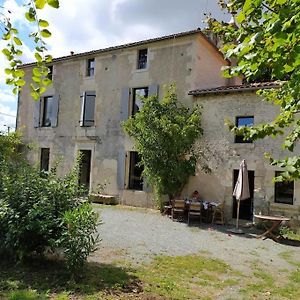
point(35, 210)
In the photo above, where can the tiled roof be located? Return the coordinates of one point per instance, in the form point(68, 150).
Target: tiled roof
point(235, 88)
point(134, 44)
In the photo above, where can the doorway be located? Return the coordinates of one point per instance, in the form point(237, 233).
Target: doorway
point(246, 206)
point(85, 168)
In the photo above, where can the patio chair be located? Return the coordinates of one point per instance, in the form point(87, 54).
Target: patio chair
point(178, 208)
point(218, 214)
point(195, 211)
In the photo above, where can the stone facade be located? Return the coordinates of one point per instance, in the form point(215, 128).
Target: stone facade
point(187, 59)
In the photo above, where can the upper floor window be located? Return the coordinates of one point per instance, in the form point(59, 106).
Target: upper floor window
point(142, 59)
point(243, 121)
point(50, 72)
point(47, 111)
point(138, 93)
point(87, 118)
point(284, 191)
point(90, 71)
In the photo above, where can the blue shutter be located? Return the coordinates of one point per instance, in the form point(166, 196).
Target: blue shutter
point(54, 111)
point(89, 108)
point(121, 170)
point(37, 113)
point(153, 90)
point(124, 104)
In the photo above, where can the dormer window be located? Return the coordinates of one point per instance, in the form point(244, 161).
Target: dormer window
point(142, 59)
point(90, 71)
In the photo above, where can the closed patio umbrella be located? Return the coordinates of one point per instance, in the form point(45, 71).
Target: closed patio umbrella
point(241, 191)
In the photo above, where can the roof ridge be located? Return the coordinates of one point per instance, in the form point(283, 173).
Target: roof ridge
point(128, 45)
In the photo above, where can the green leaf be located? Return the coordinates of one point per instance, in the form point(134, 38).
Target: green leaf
point(20, 82)
point(19, 73)
point(30, 17)
point(247, 6)
point(36, 72)
point(43, 23)
point(45, 33)
point(240, 17)
point(19, 52)
point(17, 41)
point(280, 2)
point(46, 81)
point(36, 79)
point(6, 36)
point(7, 71)
point(6, 52)
point(38, 57)
point(40, 4)
point(53, 3)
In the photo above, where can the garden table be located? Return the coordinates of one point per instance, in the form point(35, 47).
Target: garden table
point(270, 231)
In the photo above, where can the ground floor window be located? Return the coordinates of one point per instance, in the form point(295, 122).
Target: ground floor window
point(284, 191)
point(45, 157)
point(135, 181)
point(85, 168)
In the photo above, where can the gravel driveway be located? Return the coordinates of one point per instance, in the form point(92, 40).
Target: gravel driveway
point(138, 235)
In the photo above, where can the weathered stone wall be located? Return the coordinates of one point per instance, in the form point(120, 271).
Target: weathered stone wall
point(169, 61)
point(218, 150)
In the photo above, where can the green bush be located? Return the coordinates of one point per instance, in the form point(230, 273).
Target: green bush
point(78, 239)
point(36, 210)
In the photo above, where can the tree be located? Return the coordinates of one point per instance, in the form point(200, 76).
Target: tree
point(266, 36)
point(165, 132)
point(13, 49)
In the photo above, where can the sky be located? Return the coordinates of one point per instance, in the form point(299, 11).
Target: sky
point(84, 25)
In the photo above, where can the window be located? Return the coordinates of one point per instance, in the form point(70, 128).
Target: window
point(87, 109)
point(47, 111)
point(50, 74)
point(45, 155)
point(138, 93)
point(90, 67)
point(284, 191)
point(142, 59)
point(243, 121)
point(135, 172)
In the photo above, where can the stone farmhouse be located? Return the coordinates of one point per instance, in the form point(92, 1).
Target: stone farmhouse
point(93, 92)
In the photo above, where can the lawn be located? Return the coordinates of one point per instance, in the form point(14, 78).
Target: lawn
point(181, 277)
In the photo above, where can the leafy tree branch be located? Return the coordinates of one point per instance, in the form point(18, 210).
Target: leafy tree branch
point(265, 42)
point(13, 49)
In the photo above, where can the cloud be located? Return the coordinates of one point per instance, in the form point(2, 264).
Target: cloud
point(92, 24)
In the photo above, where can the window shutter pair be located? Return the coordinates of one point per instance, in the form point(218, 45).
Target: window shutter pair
point(38, 114)
point(87, 116)
point(124, 112)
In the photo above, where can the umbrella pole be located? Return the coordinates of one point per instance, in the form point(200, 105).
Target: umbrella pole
point(237, 214)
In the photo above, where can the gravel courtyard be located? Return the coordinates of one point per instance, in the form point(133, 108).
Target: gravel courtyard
point(137, 235)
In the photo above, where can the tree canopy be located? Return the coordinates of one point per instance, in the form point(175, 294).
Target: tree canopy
point(13, 49)
point(165, 132)
point(266, 36)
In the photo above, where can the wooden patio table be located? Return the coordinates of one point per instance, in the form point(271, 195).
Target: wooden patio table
point(275, 220)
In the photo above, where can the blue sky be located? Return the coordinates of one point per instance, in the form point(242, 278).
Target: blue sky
point(82, 25)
